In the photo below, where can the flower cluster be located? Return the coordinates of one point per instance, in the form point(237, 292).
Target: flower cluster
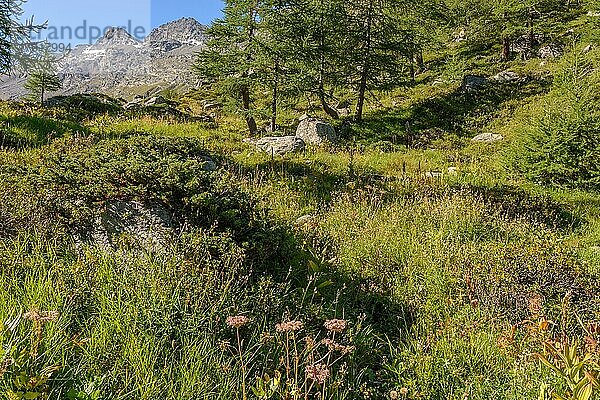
point(290, 326)
point(333, 346)
point(237, 321)
point(336, 325)
point(42, 316)
point(318, 373)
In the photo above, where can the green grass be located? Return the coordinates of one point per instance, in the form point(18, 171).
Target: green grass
point(445, 282)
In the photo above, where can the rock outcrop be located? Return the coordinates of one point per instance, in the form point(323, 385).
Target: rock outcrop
point(487, 138)
point(506, 77)
point(315, 132)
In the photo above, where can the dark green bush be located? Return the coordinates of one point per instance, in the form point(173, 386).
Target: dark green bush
point(560, 144)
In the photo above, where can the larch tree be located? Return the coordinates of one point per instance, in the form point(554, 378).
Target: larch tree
point(229, 61)
point(44, 78)
point(17, 52)
point(386, 42)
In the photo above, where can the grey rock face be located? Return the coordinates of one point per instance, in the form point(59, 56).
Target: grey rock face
point(278, 145)
point(315, 132)
point(147, 226)
point(473, 82)
point(487, 138)
point(551, 51)
point(183, 31)
point(119, 65)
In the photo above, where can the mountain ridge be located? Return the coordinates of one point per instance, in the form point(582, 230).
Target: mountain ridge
point(120, 65)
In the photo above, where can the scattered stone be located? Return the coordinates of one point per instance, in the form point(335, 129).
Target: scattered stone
point(315, 132)
point(452, 171)
point(433, 174)
point(473, 82)
point(303, 220)
point(278, 145)
point(524, 46)
point(487, 138)
point(551, 51)
point(155, 101)
point(587, 48)
point(593, 14)
point(505, 77)
point(211, 106)
point(460, 36)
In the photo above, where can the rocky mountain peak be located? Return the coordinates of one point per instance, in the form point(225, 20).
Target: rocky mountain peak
point(117, 37)
point(184, 30)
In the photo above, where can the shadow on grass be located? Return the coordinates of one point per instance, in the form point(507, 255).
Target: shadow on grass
point(314, 179)
point(455, 112)
point(25, 131)
point(516, 203)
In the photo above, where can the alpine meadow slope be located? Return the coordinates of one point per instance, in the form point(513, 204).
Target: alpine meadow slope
point(347, 200)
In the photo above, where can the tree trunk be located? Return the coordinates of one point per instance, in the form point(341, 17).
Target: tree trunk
point(531, 31)
point(246, 106)
point(275, 94)
point(419, 61)
point(245, 91)
point(364, 74)
point(326, 107)
point(505, 49)
point(42, 96)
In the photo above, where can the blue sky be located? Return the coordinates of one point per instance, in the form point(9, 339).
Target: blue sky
point(79, 21)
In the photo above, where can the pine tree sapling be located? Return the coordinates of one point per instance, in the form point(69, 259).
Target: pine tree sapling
point(560, 145)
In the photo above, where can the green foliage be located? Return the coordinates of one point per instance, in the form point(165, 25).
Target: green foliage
point(16, 52)
point(560, 144)
point(40, 83)
point(580, 372)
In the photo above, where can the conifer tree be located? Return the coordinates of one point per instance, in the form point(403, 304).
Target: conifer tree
point(319, 42)
point(16, 49)
point(388, 37)
point(230, 59)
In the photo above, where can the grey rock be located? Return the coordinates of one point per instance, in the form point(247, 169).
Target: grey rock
point(524, 45)
point(211, 106)
point(508, 77)
point(587, 48)
point(460, 36)
point(473, 82)
point(303, 220)
point(594, 14)
point(315, 132)
point(148, 226)
point(551, 51)
point(278, 145)
point(487, 138)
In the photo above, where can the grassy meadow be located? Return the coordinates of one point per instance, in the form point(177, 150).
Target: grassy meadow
point(380, 268)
